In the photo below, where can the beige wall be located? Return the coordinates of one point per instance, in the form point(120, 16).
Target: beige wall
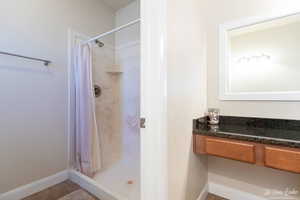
point(230, 173)
point(33, 131)
point(186, 93)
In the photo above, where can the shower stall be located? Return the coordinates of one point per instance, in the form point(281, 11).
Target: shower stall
point(114, 58)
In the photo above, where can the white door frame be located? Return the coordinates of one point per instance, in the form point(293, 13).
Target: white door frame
point(154, 100)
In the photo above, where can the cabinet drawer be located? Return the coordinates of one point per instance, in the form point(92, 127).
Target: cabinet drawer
point(235, 150)
point(282, 158)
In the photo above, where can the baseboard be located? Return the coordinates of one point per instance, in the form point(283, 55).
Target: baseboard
point(92, 186)
point(231, 193)
point(204, 193)
point(99, 191)
point(34, 187)
point(86, 183)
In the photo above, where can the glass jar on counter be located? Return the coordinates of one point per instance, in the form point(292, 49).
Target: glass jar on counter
point(213, 116)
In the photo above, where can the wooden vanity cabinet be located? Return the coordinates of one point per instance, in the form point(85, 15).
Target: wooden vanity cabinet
point(277, 157)
point(230, 149)
point(282, 158)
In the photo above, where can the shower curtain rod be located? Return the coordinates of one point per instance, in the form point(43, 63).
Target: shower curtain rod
point(112, 31)
point(46, 62)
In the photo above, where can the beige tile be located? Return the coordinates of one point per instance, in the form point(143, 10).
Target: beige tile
point(55, 192)
point(215, 197)
point(78, 195)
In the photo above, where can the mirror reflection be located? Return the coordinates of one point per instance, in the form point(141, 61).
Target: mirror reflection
point(265, 57)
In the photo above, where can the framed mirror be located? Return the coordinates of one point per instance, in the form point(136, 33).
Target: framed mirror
point(260, 59)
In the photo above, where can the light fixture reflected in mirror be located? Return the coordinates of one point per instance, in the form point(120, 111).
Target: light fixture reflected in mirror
point(256, 58)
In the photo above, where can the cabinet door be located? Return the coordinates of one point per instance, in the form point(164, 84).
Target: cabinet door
point(282, 158)
point(241, 151)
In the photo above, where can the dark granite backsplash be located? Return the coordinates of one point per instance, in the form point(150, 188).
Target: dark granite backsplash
point(261, 122)
point(262, 130)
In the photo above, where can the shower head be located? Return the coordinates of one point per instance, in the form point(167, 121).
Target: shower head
point(100, 44)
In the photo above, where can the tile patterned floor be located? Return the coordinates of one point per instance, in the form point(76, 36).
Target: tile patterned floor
point(78, 195)
point(62, 190)
point(215, 197)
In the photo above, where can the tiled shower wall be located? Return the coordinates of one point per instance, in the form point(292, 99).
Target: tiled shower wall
point(118, 108)
point(128, 57)
point(108, 112)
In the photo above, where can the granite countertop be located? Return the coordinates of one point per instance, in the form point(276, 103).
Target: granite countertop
point(259, 130)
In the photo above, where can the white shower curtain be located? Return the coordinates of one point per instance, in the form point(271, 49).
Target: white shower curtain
point(87, 147)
